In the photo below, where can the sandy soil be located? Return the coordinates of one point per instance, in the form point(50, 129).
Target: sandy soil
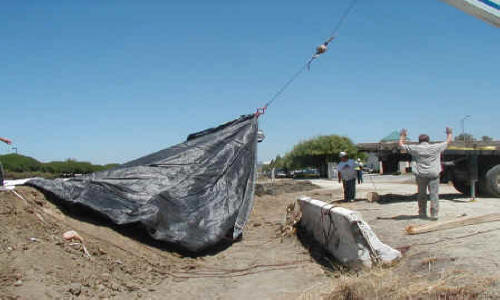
point(35, 261)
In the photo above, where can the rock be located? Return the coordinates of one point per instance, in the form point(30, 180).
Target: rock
point(38, 201)
point(18, 283)
point(75, 289)
point(115, 287)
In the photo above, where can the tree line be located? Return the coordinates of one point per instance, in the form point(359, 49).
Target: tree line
point(467, 137)
point(20, 163)
point(316, 153)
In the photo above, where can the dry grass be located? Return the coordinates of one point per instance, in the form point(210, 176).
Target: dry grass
point(387, 284)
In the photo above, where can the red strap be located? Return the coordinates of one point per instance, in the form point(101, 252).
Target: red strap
point(261, 111)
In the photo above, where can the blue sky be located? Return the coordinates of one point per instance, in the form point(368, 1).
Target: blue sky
point(110, 81)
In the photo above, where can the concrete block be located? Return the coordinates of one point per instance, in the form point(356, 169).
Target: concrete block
point(344, 234)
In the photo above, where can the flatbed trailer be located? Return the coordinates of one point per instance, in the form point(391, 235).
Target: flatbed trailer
point(473, 168)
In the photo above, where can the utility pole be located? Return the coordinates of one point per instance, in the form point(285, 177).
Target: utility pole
point(462, 121)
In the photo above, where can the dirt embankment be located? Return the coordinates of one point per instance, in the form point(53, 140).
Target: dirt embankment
point(283, 187)
point(36, 262)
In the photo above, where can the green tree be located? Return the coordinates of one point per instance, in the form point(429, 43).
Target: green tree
point(318, 151)
point(20, 163)
point(279, 162)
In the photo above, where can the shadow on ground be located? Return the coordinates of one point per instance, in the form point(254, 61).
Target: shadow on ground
point(135, 231)
point(400, 217)
point(393, 198)
point(318, 252)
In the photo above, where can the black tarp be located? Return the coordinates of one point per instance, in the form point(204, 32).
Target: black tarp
point(192, 194)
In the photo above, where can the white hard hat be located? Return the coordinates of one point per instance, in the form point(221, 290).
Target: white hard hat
point(342, 154)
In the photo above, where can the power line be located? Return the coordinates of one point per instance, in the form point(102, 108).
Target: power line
point(282, 89)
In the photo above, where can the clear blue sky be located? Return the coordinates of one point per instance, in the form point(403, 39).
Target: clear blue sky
point(109, 81)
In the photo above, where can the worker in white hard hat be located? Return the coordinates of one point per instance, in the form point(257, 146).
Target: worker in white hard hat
point(359, 171)
point(347, 174)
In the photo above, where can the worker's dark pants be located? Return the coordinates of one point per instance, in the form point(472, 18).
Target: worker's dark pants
point(359, 173)
point(1, 174)
point(349, 189)
point(432, 184)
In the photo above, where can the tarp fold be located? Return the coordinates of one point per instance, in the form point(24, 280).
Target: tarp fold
point(192, 194)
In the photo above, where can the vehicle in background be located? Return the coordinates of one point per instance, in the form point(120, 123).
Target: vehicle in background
point(306, 173)
point(368, 170)
point(280, 173)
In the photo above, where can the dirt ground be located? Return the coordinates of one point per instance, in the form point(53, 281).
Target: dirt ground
point(35, 261)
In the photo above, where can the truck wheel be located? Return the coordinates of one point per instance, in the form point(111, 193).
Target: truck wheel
point(481, 188)
point(493, 181)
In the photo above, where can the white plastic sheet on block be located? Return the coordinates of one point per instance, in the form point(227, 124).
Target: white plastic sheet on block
point(344, 234)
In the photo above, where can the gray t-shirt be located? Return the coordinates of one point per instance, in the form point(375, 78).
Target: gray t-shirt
point(346, 169)
point(427, 158)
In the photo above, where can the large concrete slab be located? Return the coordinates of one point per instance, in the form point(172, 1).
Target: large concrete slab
point(344, 234)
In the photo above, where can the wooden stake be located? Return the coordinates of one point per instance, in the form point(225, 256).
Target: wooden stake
point(372, 197)
point(459, 222)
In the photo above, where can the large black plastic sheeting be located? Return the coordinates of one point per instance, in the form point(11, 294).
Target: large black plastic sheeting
point(194, 194)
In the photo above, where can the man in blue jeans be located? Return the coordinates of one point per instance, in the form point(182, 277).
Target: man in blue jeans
point(347, 175)
point(8, 142)
point(428, 166)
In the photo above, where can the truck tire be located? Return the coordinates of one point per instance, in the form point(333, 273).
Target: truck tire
point(481, 188)
point(493, 181)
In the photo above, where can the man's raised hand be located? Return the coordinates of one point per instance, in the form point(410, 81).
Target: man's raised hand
point(7, 141)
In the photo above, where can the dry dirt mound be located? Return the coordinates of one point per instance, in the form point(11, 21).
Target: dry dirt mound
point(36, 262)
point(283, 186)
